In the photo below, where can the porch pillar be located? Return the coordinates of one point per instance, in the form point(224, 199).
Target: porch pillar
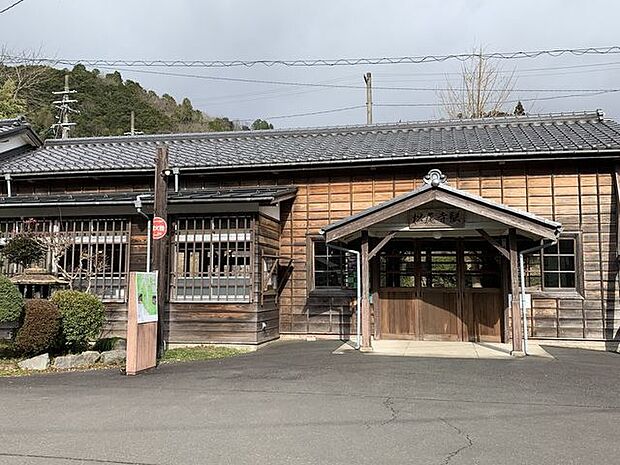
point(515, 308)
point(366, 345)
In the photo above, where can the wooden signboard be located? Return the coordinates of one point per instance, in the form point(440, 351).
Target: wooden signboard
point(436, 218)
point(142, 319)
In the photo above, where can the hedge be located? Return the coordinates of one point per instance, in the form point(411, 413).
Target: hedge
point(82, 317)
point(11, 301)
point(39, 332)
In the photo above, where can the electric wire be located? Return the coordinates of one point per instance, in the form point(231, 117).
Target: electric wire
point(4, 10)
point(337, 61)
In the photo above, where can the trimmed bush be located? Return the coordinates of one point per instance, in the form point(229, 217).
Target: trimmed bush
point(82, 315)
point(23, 249)
point(39, 332)
point(11, 301)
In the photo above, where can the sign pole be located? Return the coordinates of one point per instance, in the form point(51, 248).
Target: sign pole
point(160, 246)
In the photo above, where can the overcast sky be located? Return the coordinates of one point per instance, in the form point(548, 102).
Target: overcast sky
point(250, 30)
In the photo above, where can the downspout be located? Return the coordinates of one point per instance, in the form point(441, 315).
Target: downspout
point(358, 289)
point(7, 178)
point(138, 204)
point(522, 282)
point(176, 172)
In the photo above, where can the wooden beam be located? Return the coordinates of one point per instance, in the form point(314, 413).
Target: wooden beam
point(501, 249)
point(380, 245)
point(161, 246)
point(515, 308)
point(617, 192)
point(366, 345)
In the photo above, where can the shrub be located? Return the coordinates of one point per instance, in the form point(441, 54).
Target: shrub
point(82, 316)
point(23, 249)
point(39, 332)
point(11, 301)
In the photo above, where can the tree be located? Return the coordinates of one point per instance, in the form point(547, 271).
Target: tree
point(261, 124)
point(11, 105)
point(519, 110)
point(221, 124)
point(483, 90)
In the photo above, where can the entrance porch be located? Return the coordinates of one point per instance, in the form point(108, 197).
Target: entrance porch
point(440, 264)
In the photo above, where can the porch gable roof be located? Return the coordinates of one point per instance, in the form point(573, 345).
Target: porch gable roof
point(441, 192)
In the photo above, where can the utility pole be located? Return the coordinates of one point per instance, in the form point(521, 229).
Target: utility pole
point(132, 130)
point(368, 81)
point(62, 126)
point(161, 246)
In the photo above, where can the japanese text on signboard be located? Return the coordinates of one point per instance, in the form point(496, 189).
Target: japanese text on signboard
point(436, 218)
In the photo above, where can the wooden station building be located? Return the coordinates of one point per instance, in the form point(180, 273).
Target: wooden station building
point(266, 227)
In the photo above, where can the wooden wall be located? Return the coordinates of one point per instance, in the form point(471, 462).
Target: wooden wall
point(580, 195)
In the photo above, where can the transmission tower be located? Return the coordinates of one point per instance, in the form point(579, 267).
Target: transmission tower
point(63, 126)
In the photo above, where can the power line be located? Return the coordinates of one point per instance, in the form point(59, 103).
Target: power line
point(535, 99)
point(426, 105)
point(326, 85)
point(10, 6)
point(335, 62)
point(310, 113)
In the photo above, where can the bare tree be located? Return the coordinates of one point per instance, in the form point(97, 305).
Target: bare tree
point(78, 270)
point(28, 71)
point(482, 91)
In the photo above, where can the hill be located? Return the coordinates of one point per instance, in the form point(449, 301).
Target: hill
point(104, 102)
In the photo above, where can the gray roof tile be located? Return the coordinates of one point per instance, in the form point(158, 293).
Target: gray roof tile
point(415, 141)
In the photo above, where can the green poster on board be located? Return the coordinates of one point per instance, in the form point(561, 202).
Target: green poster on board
point(146, 296)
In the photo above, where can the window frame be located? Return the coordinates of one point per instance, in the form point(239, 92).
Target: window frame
point(216, 257)
point(311, 240)
point(573, 292)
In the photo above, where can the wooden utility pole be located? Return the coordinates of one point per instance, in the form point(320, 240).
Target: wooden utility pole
point(161, 246)
point(368, 81)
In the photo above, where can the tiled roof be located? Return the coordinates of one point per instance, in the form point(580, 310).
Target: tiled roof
point(509, 137)
point(259, 194)
point(11, 127)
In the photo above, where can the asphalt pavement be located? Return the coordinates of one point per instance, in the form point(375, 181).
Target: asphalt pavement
point(297, 403)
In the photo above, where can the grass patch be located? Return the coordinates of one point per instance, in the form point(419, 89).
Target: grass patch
point(9, 359)
point(189, 354)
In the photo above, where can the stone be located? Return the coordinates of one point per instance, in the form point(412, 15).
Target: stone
point(113, 356)
point(120, 344)
point(90, 357)
point(66, 362)
point(39, 363)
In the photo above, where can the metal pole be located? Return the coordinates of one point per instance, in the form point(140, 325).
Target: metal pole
point(148, 245)
point(522, 281)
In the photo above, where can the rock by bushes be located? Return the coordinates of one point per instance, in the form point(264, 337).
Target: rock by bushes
point(11, 301)
point(82, 317)
point(39, 363)
point(113, 356)
point(85, 359)
point(39, 332)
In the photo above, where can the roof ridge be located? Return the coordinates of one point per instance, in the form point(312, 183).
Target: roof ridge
point(596, 115)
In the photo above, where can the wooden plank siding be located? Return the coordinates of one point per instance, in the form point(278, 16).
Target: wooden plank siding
point(578, 194)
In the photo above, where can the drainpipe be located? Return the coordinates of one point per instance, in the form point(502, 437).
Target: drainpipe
point(358, 289)
point(176, 172)
point(7, 178)
point(522, 282)
point(138, 204)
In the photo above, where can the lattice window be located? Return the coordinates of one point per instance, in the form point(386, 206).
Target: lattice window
point(91, 254)
point(332, 268)
point(212, 259)
point(554, 268)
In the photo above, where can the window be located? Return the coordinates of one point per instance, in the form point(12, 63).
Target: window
point(212, 259)
point(554, 268)
point(332, 268)
point(439, 267)
point(92, 254)
point(397, 268)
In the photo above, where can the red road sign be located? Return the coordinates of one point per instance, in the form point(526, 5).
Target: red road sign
point(160, 228)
